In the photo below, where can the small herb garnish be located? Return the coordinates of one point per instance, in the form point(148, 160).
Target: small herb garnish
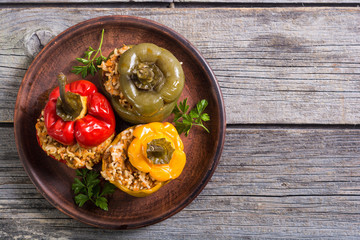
point(184, 121)
point(88, 188)
point(88, 60)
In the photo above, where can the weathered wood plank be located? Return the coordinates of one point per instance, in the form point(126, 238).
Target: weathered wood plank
point(277, 65)
point(271, 183)
point(221, 217)
point(84, 1)
point(288, 162)
point(181, 1)
point(265, 1)
point(262, 162)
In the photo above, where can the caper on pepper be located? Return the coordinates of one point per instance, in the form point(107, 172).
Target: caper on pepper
point(150, 79)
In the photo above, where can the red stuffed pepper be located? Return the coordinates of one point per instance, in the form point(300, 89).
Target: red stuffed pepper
point(77, 124)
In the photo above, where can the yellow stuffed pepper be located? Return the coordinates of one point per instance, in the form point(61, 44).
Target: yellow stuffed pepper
point(143, 158)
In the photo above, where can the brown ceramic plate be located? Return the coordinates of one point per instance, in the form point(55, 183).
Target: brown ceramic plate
point(54, 179)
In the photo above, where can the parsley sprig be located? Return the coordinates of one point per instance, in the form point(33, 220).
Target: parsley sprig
point(89, 66)
point(184, 121)
point(88, 188)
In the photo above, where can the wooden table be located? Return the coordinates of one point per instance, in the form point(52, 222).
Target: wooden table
point(290, 77)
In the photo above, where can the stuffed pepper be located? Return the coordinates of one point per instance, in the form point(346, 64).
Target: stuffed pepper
point(76, 125)
point(143, 158)
point(143, 82)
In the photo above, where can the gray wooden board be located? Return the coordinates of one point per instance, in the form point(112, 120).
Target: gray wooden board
point(85, 1)
point(270, 183)
point(274, 65)
point(268, 1)
point(182, 1)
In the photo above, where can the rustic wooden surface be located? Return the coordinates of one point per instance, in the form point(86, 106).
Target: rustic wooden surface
point(290, 79)
point(313, 2)
point(279, 64)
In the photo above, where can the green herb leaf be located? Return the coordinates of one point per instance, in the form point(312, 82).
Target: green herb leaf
point(91, 176)
point(89, 66)
point(99, 59)
point(205, 117)
point(177, 113)
point(194, 114)
point(78, 186)
point(187, 122)
point(184, 121)
point(108, 189)
point(88, 188)
point(182, 127)
point(89, 53)
point(101, 202)
point(96, 190)
point(200, 106)
point(183, 106)
point(83, 61)
point(81, 199)
point(187, 118)
point(77, 69)
point(92, 69)
point(78, 173)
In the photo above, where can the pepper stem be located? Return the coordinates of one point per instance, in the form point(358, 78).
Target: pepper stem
point(147, 76)
point(159, 151)
point(144, 73)
point(61, 78)
point(69, 106)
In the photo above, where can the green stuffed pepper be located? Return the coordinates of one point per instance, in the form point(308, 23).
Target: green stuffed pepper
point(143, 81)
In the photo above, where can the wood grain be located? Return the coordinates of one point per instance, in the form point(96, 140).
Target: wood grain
point(259, 2)
point(277, 65)
point(84, 1)
point(271, 183)
point(183, 1)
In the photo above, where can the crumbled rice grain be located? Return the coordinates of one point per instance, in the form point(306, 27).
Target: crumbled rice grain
point(110, 71)
point(118, 168)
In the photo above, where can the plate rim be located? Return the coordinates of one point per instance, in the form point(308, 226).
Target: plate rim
point(205, 67)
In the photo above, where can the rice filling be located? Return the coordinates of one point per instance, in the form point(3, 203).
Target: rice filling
point(118, 168)
point(110, 72)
